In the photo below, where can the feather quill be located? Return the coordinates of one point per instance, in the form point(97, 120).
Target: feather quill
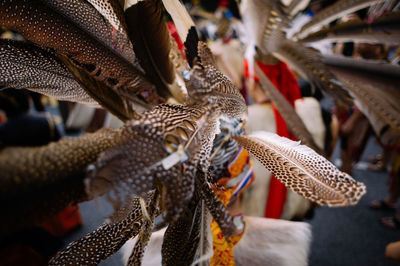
point(303, 170)
point(335, 11)
point(287, 111)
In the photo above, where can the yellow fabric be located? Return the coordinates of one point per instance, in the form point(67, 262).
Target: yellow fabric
point(223, 252)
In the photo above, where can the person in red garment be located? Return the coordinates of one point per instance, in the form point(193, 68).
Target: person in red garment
point(284, 80)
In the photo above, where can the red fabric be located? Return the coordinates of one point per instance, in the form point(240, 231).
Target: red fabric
point(174, 32)
point(64, 222)
point(286, 83)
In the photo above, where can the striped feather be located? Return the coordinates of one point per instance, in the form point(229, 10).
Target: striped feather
point(303, 170)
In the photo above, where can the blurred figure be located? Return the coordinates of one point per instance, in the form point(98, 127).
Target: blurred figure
point(23, 128)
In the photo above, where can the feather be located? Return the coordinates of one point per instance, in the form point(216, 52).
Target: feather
point(105, 240)
point(147, 156)
point(374, 86)
point(178, 88)
point(385, 29)
point(47, 75)
point(40, 24)
point(287, 111)
point(181, 239)
point(303, 170)
point(121, 103)
point(335, 11)
point(307, 63)
point(38, 182)
point(151, 41)
point(206, 56)
point(209, 83)
point(108, 18)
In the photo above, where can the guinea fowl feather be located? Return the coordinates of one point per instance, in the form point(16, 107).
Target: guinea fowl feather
point(48, 75)
point(38, 182)
point(151, 41)
point(108, 18)
point(304, 171)
point(42, 25)
point(332, 12)
point(105, 240)
point(287, 111)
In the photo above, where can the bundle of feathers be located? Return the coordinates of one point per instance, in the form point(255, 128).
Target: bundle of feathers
point(119, 55)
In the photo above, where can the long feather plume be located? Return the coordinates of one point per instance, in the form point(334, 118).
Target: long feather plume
point(38, 182)
point(335, 11)
point(385, 30)
point(303, 170)
point(307, 64)
point(47, 74)
point(151, 41)
point(375, 88)
point(287, 111)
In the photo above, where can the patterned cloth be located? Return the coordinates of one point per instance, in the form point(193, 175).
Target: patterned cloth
point(232, 171)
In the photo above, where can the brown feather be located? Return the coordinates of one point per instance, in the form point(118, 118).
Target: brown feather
point(117, 103)
point(303, 170)
point(151, 41)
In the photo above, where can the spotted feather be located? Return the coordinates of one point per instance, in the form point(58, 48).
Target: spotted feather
point(303, 170)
